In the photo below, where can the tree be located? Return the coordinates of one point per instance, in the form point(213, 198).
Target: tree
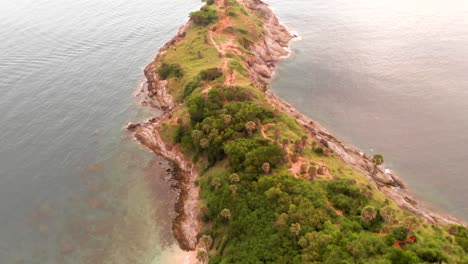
point(216, 182)
point(312, 172)
point(368, 213)
point(388, 214)
point(250, 127)
point(234, 178)
point(227, 119)
point(266, 167)
point(400, 233)
point(233, 188)
point(196, 136)
point(226, 214)
point(204, 16)
point(202, 256)
point(295, 229)
point(206, 242)
point(411, 223)
point(204, 143)
point(378, 160)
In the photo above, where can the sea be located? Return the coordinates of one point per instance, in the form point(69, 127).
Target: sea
point(387, 76)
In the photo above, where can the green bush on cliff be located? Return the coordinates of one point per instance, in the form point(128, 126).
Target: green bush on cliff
point(204, 16)
point(190, 87)
point(210, 74)
point(166, 71)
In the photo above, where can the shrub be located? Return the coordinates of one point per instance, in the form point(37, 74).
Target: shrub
point(210, 74)
point(190, 87)
point(400, 233)
point(319, 151)
point(236, 66)
point(246, 43)
point(204, 16)
point(166, 71)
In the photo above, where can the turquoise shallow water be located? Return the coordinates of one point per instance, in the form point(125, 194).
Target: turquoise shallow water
point(387, 76)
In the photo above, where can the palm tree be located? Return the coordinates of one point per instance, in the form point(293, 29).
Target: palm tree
point(202, 256)
point(234, 178)
point(206, 241)
point(250, 126)
point(411, 223)
point(226, 214)
point(196, 136)
point(378, 160)
point(233, 188)
point(204, 143)
point(368, 213)
point(227, 119)
point(295, 229)
point(206, 128)
point(312, 172)
point(266, 167)
point(216, 182)
point(388, 214)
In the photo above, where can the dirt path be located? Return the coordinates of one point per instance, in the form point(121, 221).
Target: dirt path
point(337, 211)
point(227, 46)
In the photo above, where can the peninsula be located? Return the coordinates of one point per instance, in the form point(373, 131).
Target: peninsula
point(260, 182)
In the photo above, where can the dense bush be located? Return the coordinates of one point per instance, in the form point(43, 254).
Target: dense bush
point(263, 208)
point(210, 74)
point(204, 16)
point(166, 71)
point(190, 87)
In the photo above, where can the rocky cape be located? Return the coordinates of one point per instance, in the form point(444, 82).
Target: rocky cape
point(266, 53)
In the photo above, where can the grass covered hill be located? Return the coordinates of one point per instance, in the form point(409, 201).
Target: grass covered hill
point(270, 192)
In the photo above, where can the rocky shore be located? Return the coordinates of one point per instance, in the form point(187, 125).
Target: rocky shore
point(266, 54)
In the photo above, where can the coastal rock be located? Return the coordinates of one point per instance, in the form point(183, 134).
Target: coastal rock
point(133, 126)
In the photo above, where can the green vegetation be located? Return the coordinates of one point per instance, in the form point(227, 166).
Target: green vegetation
point(166, 71)
point(205, 16)
point(256, 208)
point(210, 74)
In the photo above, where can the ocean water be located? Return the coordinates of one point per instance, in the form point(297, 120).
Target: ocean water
point(74, 187)
point(387, 76)
point(390, 77)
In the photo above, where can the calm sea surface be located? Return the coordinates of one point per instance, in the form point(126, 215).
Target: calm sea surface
point(387, 76)
point(74, 188)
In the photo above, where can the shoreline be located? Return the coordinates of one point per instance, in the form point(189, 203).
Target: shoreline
point(273, 48)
